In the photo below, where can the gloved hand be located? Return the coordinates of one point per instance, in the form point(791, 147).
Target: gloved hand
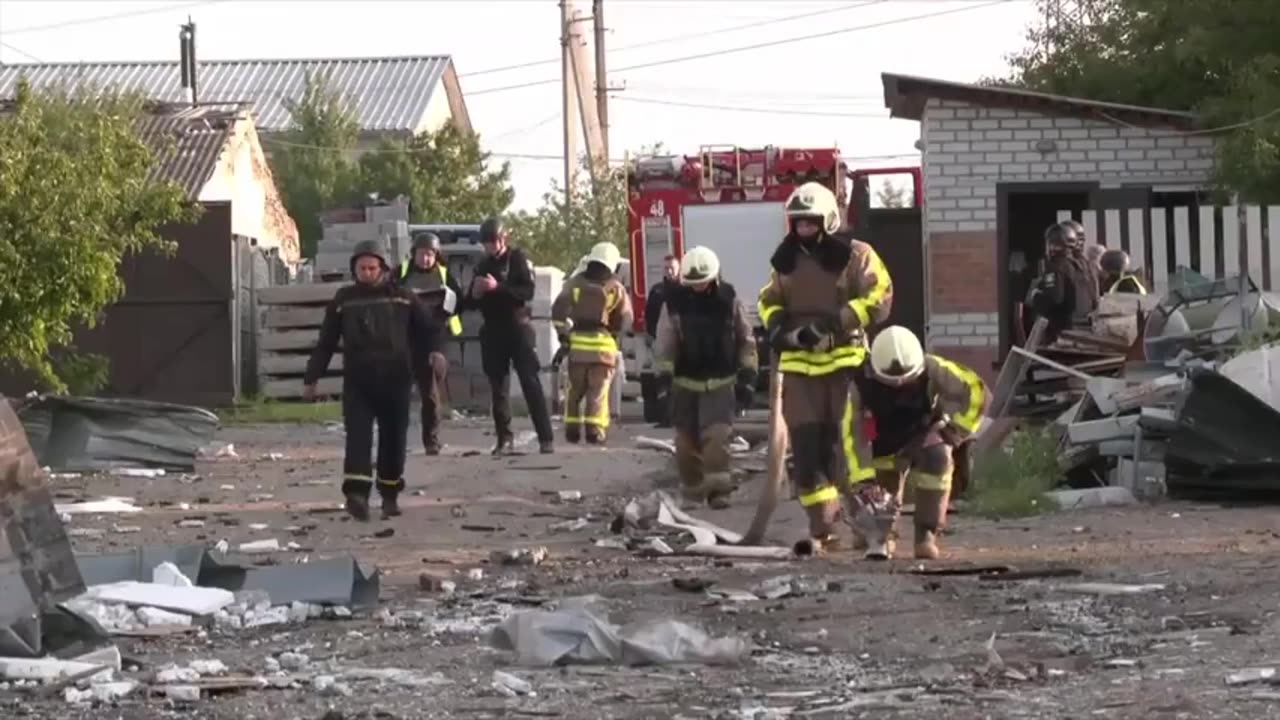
point(952, 435)
point(747, 376)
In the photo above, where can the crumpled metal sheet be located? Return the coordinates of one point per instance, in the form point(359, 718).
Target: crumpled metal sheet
point(37, 567)
point(78, 434)
point(1225, 442)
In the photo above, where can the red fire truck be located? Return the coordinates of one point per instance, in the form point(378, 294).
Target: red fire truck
point(731, 200)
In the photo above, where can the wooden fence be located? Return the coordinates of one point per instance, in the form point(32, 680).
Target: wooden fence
point(1214, 241)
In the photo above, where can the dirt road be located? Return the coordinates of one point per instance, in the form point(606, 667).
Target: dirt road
point(853, 639)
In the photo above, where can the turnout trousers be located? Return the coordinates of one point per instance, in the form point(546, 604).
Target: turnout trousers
point(703, 421)
point(586, 410)
point(365, 402)
point(507, 348)
point(432, 383)
point(813, 407)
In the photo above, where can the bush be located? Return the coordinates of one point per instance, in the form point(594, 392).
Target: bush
point(1012, 481)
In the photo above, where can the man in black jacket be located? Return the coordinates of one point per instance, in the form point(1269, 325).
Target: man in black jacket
point(439, 294)
point(385, 333)
point(502, 288)
point(653, 304)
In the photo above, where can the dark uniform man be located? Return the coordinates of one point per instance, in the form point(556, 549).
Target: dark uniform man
point(429, 279)
point(385, 333)
point(653, 304)
point(908, 414)
point(502, 288)
point(705, 344)
point(1116, 276)
point(1085, 255)
point(1066, 293)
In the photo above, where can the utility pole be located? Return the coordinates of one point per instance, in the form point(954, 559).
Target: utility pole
point(569, 101)
point(602, 77)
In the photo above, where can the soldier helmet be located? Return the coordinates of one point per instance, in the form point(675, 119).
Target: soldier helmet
point(369, 248)
point(815, 201)
point(1115, 262)
point(605, 253)
point(426, 240)
point(1076, 227)
point(896, 356)
point(492, 229)
point(1061, 235)
point(1093, 252)
point(700, 265)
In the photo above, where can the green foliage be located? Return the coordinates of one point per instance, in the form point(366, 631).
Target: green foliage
point(76, 197)
point(1217, 58)
point(891, 196)
point(558, 238)
point(258, 412)
point(83, 373)
point(1012, 481)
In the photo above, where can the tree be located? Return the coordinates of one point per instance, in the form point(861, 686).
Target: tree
point(558, 239)
point(443, 173)
point(891, 196)
point(313, 164)
point(1218, 59)
point(75, 198)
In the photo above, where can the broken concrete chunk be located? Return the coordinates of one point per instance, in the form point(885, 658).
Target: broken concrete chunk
point(293, 660)
point(569, 525)
point(151, 617)
point(182, 693)
point(49, 669)
point(519, 556)
point(259, 546)
point(166, 573)
point(1249, 676)
point(1093, 498)
point(174, 674)
point(209, 667)
point(189, 600)
point(510, 685)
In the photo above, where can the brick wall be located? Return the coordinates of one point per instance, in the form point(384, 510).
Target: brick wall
point(971, 149)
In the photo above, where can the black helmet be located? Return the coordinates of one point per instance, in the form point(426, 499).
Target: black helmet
point(427, 240)
point(492, 229)
point(371, 248)
point(1114, 262)
point(1061, 235)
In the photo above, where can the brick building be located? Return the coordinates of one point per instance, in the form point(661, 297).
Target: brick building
point(1000, 164)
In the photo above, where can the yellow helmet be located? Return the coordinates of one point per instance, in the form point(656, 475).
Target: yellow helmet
point(815, 201)
point(605, 253)
point(699, 265)
point(896, 356)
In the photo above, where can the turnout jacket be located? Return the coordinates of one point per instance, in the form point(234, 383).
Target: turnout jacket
point(592, 309)
point(383, 329)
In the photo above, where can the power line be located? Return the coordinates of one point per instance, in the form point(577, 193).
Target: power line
point(756, 46)
point(677, 38)
point(112, 16)
point(20, 51)
point(1201, 131)
point(816, 96)
point(763, 111)
point(527, 128)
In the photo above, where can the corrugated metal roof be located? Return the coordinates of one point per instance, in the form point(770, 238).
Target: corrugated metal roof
point(188, 143)
point(386, 94)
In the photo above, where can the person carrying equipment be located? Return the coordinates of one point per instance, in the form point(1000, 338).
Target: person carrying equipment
point(590, 312)
point(704, 345)
point(907, 413)
point(825, 290)
point(1116, 275)
point(439, 294)
point(385, 333)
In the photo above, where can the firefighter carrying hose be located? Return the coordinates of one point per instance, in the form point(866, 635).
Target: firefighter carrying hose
point(1116, 276)
point(590, 312)
point(825, 290)
point(1066, 293)
point(439, 293)
point(704, 344)
point(907, 413)
point(385, 333)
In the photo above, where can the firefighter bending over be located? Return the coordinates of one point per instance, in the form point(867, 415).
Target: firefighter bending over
point(825, 290)
point(1116, 275)
point(705, 346)
point(907, 413)
point(590, 312)
point(1066, 293)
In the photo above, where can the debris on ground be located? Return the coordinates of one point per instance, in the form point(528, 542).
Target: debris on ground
point(658, 512)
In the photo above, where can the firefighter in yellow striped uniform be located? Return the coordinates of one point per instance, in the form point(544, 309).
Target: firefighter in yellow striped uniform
point(1116, 275)
point(589, 314)
point(907, 413)
point(825, 291)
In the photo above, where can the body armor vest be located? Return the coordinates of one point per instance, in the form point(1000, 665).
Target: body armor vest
point(707, 347)
point(897, 415)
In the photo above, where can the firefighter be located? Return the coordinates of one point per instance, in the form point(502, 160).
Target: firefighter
point(385, 333)
point(652, 313)
point(589, 314)
point(1116, 276)
point(825, 291)
point(704, 344)
point(908, 411)
point(502, 289)
point(1066, 293)
point(429, 279)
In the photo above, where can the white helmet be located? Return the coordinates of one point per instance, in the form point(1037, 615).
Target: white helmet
point(896, 356)
point(815, 201)
point(605, 253)
point(582, 264)
point(699, 265)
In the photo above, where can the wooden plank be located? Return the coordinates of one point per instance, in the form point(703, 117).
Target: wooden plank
point(1012, 371)
point(1182, 238)
point(293, 316)
point(1064, 215)
point(292, 388)
point(1208, 252)
point(1137, 238)
point(288, 340)
point(300, 293)
point(1253, 243)
point(1273, 245)
point(1230, 240)
point(291, 364)
point(1115, 239)
point(1159, 251)
point(1089, 219)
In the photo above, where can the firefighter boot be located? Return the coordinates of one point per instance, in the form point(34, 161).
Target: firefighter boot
point(358, 506)
point(390, 505)
point(719, 486)
point(822, 526)
point(931, 515)
point(595, 435)
point(505, 444)
point(572, 433)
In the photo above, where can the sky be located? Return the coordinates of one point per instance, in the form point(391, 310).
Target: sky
point(824, 90)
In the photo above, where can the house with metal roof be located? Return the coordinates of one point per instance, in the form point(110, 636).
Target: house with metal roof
point(389, 96)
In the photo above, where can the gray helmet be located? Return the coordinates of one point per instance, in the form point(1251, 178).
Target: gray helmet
point(371, 248)
point(1061, 235)
point(426, 240)
point(1115, 262)
point(1077, 228)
